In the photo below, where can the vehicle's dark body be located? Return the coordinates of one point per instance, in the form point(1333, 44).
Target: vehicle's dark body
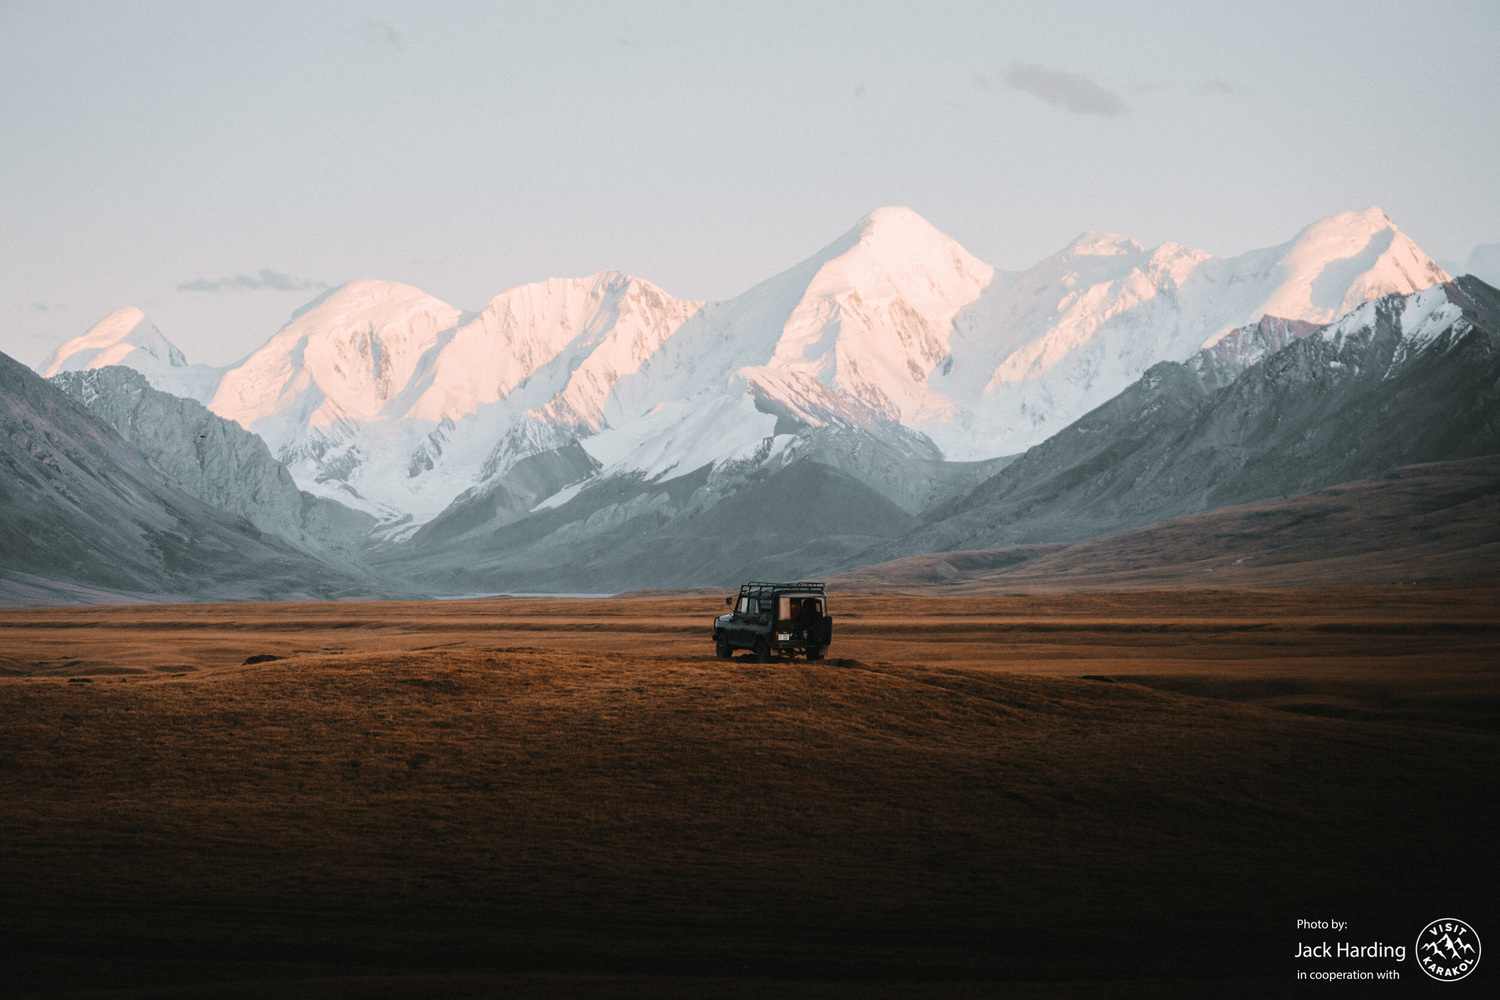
point(776, 619)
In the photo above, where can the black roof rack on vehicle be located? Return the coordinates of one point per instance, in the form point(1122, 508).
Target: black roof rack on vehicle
point(755, 586)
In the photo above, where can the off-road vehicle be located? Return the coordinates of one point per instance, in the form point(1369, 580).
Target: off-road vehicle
point(775, 619)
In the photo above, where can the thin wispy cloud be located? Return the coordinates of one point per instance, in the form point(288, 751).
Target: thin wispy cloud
point(981, 81)
point(1215, 87)
point(381, 31)
point(1069, 91)
point(43, 307)
point(266, 280)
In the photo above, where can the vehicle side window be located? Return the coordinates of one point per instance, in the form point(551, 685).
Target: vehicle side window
point(749, 606)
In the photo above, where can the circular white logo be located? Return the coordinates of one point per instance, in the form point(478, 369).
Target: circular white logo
point(1447, 949)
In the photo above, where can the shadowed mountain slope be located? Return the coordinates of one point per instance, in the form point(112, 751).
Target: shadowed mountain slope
point(1416, 524)
point(625, 534)
point(215, 460)
point(89, 519)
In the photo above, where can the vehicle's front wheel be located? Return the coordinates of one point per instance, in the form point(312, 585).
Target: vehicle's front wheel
point(723, 649)
point(762, 651)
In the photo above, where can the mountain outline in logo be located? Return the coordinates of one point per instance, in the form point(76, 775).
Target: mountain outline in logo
point(1448, 949)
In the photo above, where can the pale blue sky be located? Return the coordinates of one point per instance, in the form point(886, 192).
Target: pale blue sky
point(467, 149)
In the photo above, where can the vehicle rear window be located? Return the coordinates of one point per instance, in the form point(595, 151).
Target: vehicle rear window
point(791, 607)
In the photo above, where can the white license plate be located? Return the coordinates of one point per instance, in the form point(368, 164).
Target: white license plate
point(783, 636)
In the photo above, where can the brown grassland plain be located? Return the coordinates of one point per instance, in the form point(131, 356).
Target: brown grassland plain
point(1052, 795)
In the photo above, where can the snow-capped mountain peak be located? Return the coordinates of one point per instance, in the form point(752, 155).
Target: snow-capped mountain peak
point(344, 359)
point(875, 318)
point(586, 332)
point(117, 339)
point(126, 337)
point(896, 252)
point(1340, 262)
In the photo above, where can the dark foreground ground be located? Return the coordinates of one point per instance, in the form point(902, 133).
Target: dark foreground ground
point(1124, 795)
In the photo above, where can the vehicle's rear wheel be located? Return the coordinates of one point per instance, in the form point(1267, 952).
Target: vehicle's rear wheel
point(723, 649)
point(762, 651)
point(815, 653)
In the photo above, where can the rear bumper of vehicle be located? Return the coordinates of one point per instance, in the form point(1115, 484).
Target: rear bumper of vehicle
point(796, 641)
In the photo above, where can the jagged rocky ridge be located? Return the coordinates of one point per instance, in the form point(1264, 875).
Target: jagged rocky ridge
point(216, 461)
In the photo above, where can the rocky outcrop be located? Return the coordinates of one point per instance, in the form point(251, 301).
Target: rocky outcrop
point(1222, 361)
point(215, 460)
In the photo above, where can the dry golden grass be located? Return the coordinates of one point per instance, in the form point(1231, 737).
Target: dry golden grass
point(576, 798)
